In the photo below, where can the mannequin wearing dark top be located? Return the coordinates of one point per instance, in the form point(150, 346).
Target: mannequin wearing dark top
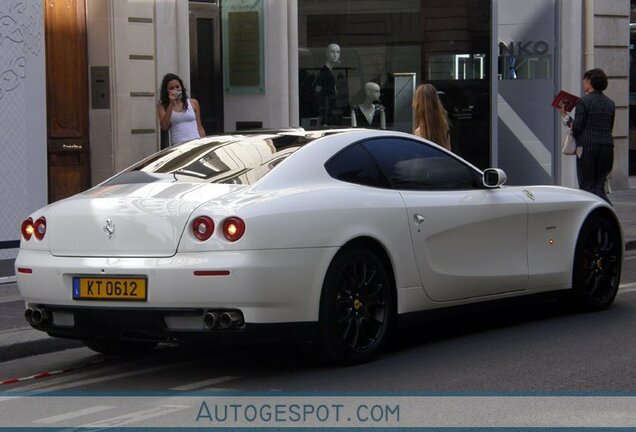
point(332, 89)
point(369, 114)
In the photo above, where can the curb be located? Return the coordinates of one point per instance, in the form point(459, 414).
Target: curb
point(25, 342)
point(7, 279)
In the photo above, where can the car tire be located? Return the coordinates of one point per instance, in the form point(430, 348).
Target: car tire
point(119, 347)
point(596, 270)
point(357, 307)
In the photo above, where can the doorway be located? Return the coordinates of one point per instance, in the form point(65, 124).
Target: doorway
point(206, 79)
point(68, 150)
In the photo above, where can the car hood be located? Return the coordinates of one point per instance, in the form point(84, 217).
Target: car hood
point(127, 220)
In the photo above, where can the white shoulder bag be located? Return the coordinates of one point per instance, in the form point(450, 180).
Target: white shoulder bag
point(569, 144)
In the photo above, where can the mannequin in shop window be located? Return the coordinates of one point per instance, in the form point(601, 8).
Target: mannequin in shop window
point(370, 113)
point(332, 88)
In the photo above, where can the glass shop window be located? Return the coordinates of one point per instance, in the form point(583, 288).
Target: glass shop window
point(360, 62)
point(525, 60)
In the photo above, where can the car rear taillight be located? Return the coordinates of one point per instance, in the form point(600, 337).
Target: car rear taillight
point(233, 228)
point(27, 229)
point(203, 227)
point(39, 228)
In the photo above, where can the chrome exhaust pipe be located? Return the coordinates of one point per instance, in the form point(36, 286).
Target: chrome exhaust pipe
point(210, 320)
point(39, 316)
point(231, 319)
point(28, 315)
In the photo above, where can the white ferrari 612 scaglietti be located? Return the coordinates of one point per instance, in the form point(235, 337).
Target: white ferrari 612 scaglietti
point(331, 236)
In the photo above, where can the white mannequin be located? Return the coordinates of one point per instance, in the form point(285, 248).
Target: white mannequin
point(368, 107)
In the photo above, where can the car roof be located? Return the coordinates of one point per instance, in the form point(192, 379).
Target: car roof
point(275, 157)
point(306, 165)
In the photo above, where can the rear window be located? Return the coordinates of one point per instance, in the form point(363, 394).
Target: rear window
point(223, 159)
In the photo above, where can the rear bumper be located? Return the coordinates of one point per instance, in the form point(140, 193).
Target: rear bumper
point(159, 325)
point(267, 286)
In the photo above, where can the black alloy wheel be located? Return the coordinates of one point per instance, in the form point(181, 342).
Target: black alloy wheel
point(597, 264)
point(357, 306)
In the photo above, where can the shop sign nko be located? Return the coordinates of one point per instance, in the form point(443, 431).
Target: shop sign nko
point(525, 59)
point(524, 48)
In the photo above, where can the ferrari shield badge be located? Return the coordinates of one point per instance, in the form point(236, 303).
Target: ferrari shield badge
point(109, 228)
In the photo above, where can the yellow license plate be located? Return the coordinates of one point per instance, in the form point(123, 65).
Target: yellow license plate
point(110, 288)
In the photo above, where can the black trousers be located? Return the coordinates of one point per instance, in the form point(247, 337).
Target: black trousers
point(593, 167)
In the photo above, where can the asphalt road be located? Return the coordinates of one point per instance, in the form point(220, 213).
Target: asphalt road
point(521, 346)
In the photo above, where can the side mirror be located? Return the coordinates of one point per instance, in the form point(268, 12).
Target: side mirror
point(494, 178)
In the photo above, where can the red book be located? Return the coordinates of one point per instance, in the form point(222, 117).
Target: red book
point(565, 99)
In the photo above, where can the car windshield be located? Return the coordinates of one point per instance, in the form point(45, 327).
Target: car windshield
point(233, 159)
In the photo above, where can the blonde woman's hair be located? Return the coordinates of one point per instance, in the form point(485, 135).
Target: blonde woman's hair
point(430, 116)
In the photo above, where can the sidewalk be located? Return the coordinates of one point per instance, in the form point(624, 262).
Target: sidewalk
point(624, 202)
point(18, 340)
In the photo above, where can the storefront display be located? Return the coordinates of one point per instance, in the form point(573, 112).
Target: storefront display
point(345, 45)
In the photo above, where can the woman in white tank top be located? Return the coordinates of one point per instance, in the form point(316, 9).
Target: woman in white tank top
point(177, 112)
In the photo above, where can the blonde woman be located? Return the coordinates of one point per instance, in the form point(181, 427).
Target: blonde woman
point(431, 119)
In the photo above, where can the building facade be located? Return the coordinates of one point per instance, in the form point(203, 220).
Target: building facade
point(496, 64)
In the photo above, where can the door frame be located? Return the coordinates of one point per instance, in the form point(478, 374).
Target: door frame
point(211, 104)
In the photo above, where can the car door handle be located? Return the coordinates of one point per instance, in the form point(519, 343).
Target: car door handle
point(418, 218)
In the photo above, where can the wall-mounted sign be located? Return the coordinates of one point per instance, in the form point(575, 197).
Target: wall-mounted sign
point(527, 47)
point(243, 59)
point(525, 59)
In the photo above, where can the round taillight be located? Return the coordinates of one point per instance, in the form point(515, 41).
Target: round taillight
point(233, 228)
point(203, 227)
point(27, 229)
point(39, 228)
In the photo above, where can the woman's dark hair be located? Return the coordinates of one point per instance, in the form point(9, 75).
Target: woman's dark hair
point(163, 92)
point(597, 79)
